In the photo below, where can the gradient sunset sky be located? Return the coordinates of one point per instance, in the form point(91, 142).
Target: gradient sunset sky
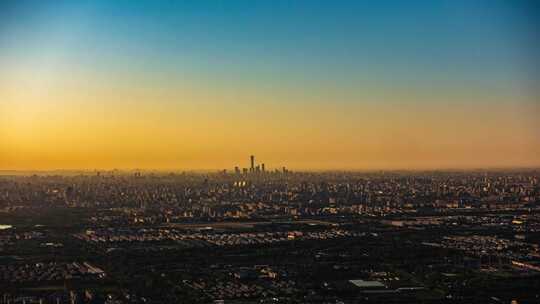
point(305, 84)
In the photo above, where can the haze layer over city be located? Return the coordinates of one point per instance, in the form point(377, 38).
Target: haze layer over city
point(330, 152)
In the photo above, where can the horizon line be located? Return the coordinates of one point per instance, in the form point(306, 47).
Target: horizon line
point(312, 170)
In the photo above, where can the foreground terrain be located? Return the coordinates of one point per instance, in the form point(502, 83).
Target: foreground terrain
point(270, 237)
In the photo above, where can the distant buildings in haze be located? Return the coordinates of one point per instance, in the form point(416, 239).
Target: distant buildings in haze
point(256, 168)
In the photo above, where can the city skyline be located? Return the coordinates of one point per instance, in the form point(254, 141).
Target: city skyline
point(269, 151)
point(310, 85)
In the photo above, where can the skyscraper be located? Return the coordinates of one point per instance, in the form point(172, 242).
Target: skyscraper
point(252, 163)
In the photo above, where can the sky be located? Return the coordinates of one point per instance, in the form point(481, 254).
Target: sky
point(348, 85)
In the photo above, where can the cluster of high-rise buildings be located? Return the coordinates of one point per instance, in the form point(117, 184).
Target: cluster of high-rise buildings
point(255, 168)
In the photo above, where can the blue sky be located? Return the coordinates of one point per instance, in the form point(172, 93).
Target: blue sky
point(365, 84)
point(340, 41)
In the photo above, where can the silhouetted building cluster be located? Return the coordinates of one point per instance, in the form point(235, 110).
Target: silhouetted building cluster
point(255, 168)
